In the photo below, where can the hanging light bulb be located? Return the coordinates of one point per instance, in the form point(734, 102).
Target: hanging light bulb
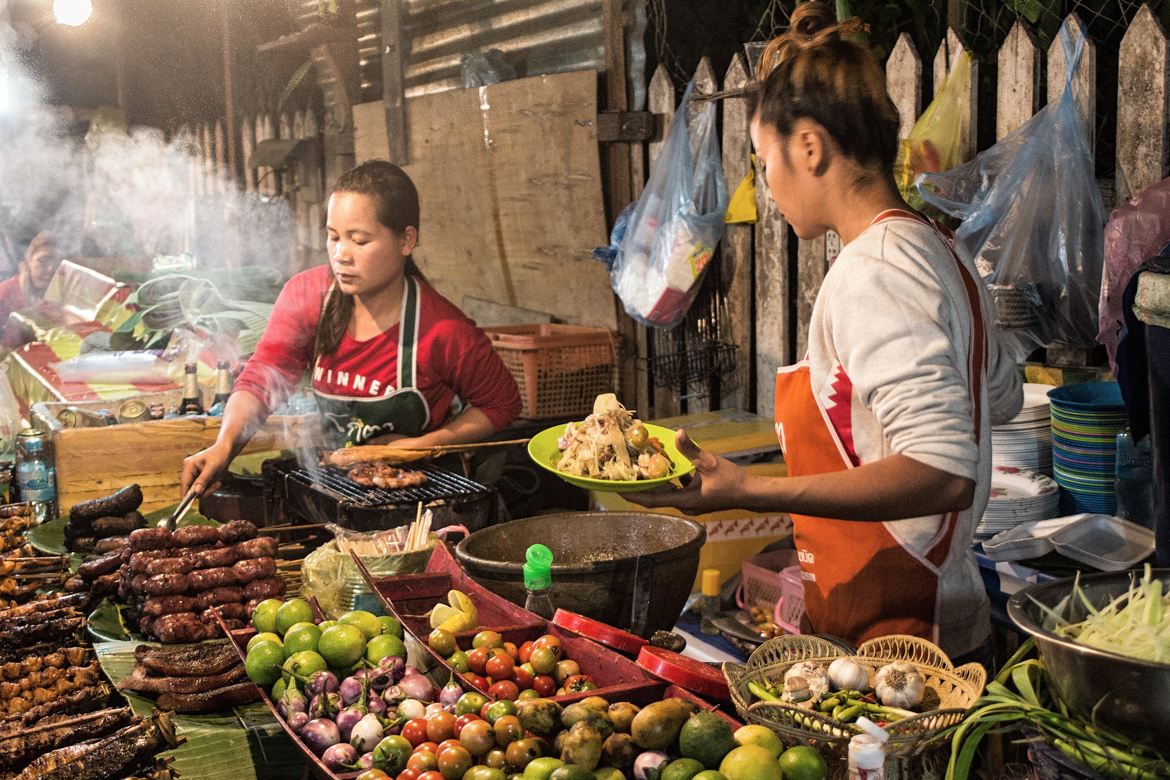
point(73, 13)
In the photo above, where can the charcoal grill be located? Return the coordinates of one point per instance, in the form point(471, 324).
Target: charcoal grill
point(295, 494)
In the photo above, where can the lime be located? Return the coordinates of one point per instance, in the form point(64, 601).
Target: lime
point(263, 663)
point(708, 774)
point(759, 735)
point(301, 636)
point(541, 768)
point(277, 689)
point(264, 615)
point(391, 625)
point(367, 621)
point(803, 763)
point(707, 738)
point(750, 762)
point(303, 665)
point(342, 645)
point(681, 769)
point(383, 645)
point(324, 624)
point(292, 612)
point(571, 772)
point(608, 773)
point(264, 636)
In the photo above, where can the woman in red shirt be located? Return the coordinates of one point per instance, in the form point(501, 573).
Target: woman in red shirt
point(389, 356)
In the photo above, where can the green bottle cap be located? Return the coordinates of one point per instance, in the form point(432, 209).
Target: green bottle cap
point(538, 567)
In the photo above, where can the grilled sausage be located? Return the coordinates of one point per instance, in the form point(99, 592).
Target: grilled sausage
point(194, 535)
point(157, 606)
point(117, 526)
point(175, 564)
point(268, 588)
point(215, 557)
point(205, 579)
point(260, 547)
point(82, 544)
point(166, 584)
point(226, 611)
point(236, 531)
point(116, 504)
point(106, 585)
point(112, 543)
point(227, 594)
point(108, 563)
point(151, 539)
point(182, 627)
point(254, 569)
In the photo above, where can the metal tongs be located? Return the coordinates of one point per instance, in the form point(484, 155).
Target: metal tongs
point(180, 511)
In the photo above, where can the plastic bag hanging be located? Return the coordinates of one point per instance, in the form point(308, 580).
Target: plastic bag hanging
point(677, 222)
point(1032, 218)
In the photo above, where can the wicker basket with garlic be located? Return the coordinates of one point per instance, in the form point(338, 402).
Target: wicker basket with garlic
point(810, 692)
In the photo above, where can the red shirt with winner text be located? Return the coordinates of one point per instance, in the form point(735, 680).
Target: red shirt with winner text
point(455, 357)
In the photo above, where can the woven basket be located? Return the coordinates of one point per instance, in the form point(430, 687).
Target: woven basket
point(955, 689)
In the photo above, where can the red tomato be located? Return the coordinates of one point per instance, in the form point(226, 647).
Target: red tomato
point(431, 775)
point(415, 731)
point(463, 720)
point(578, 683)
point(477, 660)
point(523, 678)
point(552, 643)
point(422, 762)
point(512, 649)
point(440, 726)
point(429, 747)
point(501, 667)
point(524, 651)
point(484, 710)
point(475, 680)
point(544, 684)
point(504, 689)
point(446, 744)
point(407, 774)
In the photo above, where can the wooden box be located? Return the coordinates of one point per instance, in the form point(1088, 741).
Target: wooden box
point(93, 462)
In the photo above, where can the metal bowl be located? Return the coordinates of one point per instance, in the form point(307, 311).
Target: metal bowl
point(1127, 694)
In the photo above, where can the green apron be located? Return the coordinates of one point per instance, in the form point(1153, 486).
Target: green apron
point(350, 421)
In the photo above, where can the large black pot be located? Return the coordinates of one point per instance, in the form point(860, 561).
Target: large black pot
point(632, 570)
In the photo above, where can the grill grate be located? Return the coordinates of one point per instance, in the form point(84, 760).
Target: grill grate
point(440, 485)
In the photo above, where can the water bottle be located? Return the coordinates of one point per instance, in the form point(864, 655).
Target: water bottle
point(36, 474)
point(538, 581)
point(1135, 479)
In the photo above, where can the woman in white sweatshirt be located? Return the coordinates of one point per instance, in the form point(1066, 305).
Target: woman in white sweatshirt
point(885, 425)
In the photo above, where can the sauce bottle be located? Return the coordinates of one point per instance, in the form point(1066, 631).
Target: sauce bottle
point(538, 581)
point(867, 752)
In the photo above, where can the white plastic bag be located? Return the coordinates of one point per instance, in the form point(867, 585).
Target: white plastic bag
point(677, 222)
point(10, 421)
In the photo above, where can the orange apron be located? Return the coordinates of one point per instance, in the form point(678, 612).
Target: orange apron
point(860, 582)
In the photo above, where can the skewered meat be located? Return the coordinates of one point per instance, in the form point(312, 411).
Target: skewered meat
point(117, 526)
point(119, 503)
point(23, 636)
point(175, 564)
point(213, 558)
point(140, 682)
point(83, 544)
point(166, 584)
point(157, 606)
point(58, 730)
point(151, 539)
point(385, 476)
point(182, 627)
point(47, 606)
point(227, 612)
point(210, 701)
point(113, 756)
point(254, 569)
point(269, 588)
point(203, 660)
point(83, 698)
point(60, 659)
point(228, 594)
point(236, 531)
point(260, 547)
point(204, 579)
point(111, 543)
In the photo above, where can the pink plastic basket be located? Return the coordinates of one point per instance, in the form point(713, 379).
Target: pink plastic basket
point(773, 580)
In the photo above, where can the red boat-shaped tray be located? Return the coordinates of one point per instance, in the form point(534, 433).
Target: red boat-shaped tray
point(410, 597)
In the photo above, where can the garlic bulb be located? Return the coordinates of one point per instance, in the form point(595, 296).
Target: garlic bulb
point(795, 690)
point(846, 674)
point(899, 684)
point(814, 676)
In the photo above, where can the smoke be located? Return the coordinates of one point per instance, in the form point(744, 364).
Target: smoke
point(117, 192)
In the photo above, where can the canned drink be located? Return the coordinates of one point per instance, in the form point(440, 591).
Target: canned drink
point(69, 418)
point(7, 477)
point(133, 410)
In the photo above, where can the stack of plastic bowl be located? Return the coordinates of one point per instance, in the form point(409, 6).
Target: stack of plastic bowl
point(1086, 419)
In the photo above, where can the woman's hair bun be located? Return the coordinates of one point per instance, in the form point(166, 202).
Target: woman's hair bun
point(810, 18)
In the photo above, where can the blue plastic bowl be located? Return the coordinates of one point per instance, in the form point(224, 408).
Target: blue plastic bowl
point(1088, 396)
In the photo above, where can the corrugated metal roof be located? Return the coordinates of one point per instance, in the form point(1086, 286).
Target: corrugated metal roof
point(536, 36)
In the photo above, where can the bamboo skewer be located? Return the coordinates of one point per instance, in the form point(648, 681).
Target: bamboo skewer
point(388, 453)
point(280, 529)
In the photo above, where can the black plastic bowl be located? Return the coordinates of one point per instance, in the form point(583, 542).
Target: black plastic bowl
point(632, 570)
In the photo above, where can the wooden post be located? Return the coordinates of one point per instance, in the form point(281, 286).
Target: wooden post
point(1084, 81)
point(904, 82)
point(284, 130)
point(265, 173)
point(944, 59)
point(773, 297)
point(736, 253)
point(247, 147)
point(220, 169)
point(660, 99)
point(1018, 95)
point(229, 76)
point(1143, 108)
point(698, 392)
point(393, 67)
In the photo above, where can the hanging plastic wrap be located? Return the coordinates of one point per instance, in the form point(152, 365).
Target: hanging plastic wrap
point(676, 224)
point(1032, 218)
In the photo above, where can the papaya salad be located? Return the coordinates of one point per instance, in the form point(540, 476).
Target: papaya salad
point(611, 444)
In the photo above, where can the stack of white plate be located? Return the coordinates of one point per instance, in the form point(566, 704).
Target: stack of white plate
point(1025, 441)
point(1017, 496)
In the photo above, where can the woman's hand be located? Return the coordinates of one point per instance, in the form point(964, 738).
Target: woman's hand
point(203, 469)
point(714, 485)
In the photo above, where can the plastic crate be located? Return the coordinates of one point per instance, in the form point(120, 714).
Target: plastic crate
point(560, 369)
point(772, 580)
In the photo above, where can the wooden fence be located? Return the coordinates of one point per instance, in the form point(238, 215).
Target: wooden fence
point(770, 298)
